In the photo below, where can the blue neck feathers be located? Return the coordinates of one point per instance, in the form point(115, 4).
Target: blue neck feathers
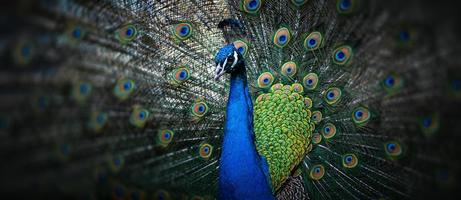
point(243, 173)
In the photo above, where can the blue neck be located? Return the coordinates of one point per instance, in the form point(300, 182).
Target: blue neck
point(242, 172)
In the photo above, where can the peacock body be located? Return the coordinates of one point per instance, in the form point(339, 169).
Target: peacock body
point(325, 100)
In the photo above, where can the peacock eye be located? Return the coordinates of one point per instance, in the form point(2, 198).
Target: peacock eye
point(282, 37)
point(316, 117)
point(361, 115)
point(404, 36)
point(308, 102)
point(389, 81)
point(277, 86)
point(205, 150)
point(182, 31)
point(139, 116)
point(298, 88)
point(265, 80)
point(127, 85)
point(342, 55)
point(82, 91)
point(23, 52)
point(116, 163)
point(199, 109)
point(142, 115)
point(392, 83)
point(316, 138)
point(393, 149)
point(429, 124)
point(332, 95)
point(180, 75)
point(317, 172)
point(242, 47)
point(126, 33)
point(101, 118)
point(313, 41)
point(328, 130)
point(346, 6)
point(289, 69)
point(77, 32)
point(350, 160)
point(98, 120)
point(310, 81)
point(165, 137)
point(251, 6)
point(124, 88)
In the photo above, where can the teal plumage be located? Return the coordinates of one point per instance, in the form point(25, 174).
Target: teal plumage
point(117, 99)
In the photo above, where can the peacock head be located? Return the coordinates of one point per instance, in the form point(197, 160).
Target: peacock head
point(228, 60)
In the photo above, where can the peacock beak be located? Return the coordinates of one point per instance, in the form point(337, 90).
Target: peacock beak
point(222, 68)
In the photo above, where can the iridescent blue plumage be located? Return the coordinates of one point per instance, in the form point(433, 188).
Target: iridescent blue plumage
point(243, 173)
point(224, 53)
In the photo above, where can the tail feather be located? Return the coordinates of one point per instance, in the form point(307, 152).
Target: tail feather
point(117, 99)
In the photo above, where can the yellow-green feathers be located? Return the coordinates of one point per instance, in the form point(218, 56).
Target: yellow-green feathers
point(283, 130)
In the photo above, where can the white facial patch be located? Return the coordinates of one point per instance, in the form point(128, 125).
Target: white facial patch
point(220, 69)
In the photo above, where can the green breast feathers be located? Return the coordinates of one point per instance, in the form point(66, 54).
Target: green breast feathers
point(283, 129)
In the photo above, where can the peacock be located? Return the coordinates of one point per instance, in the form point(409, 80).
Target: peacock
point(228, 99)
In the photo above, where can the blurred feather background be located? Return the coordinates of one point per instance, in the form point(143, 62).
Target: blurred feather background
point(94, 104)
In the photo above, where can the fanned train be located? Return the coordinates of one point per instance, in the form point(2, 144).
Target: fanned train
point(326, 99)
